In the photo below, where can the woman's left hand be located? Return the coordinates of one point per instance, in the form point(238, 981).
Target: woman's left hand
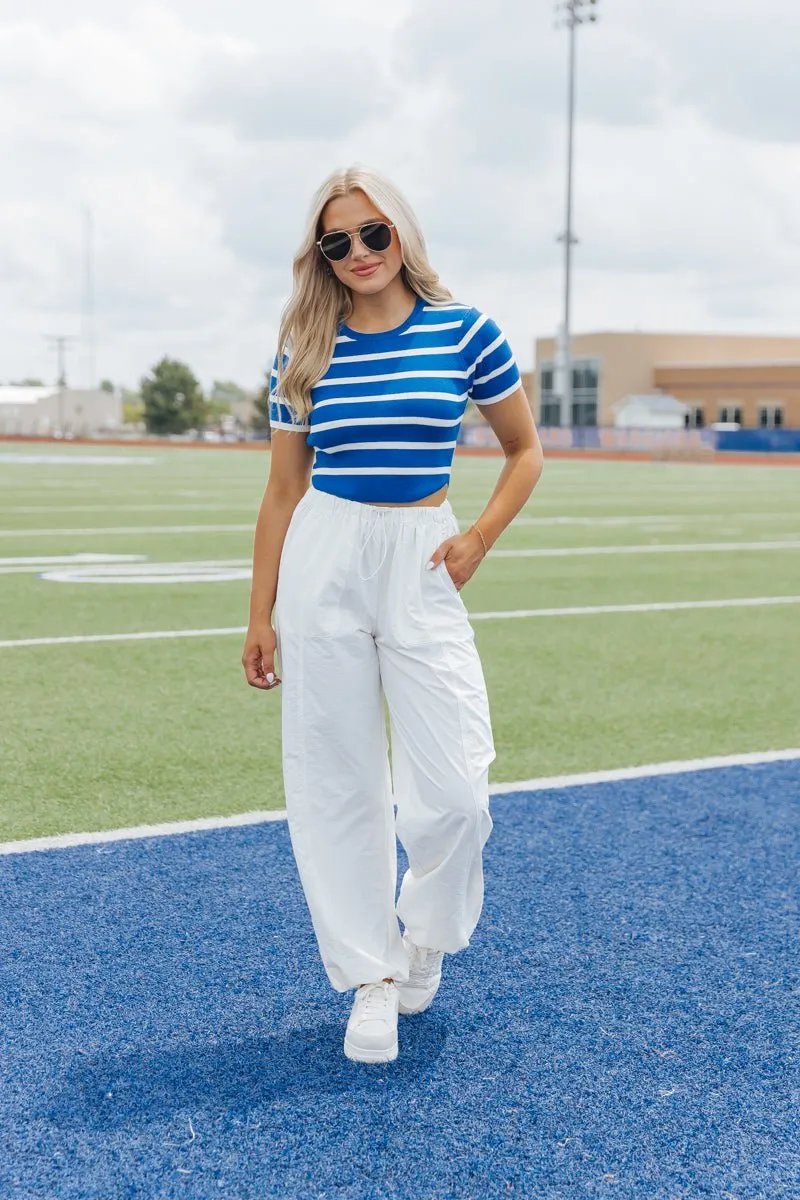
point(461, 555)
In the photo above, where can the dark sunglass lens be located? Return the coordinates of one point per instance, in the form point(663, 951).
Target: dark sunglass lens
point(376, 236)
point(335, 246)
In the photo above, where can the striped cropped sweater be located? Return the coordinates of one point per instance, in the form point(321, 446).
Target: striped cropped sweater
point(385, 415)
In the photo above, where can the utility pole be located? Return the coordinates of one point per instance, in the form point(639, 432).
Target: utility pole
point(60, 342)
point(88, 297)
point(569, 14)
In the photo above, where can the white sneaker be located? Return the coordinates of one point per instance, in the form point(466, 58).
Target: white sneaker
point(424, 977)
point(371, 1035)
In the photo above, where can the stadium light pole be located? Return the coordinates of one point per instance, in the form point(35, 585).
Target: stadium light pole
point(570, 14)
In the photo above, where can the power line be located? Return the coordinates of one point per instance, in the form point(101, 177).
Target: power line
point(569, 14)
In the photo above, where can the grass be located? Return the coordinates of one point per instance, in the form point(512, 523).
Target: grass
point(114, 734)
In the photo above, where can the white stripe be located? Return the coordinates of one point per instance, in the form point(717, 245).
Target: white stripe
point(32, 566)
point(435, 328)
point(652, 770)
point(445, 308)
point(411, 352)
point(502, 396)
point(378, 398)
point(473, 329)
point(30, 509)
point(388, 446)
point(380, 470)
point(600, 610)
point(498, 341)
point(65, 841)
point(364, 379)
point(352, 424)
point(664, 548)
point(493, 374)
point(113, 530)
point(288, 426)
point(500, 615)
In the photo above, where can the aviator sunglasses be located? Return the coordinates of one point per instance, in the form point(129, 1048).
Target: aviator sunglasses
point(375, 235)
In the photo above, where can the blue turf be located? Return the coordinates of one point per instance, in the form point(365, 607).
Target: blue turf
point(624, 1025)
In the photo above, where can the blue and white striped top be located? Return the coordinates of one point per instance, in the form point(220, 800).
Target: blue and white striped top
point(385, 415)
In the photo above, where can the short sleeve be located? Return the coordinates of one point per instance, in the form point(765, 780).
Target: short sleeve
point(491, 367)
point(280, 415)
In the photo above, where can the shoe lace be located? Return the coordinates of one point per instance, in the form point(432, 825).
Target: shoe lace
point(373, 998)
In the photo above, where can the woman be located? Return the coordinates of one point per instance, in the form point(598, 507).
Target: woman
point(375, 365)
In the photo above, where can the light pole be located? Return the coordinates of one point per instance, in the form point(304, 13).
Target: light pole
point(569, 13)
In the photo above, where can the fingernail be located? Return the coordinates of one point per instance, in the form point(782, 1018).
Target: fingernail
point(429, 566)
point(270, 677)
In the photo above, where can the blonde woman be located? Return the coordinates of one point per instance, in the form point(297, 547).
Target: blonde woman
point(359, 553)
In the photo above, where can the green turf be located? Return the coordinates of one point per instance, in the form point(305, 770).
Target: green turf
point(112, 734)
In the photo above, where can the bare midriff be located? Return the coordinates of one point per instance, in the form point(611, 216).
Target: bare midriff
point(432, 501)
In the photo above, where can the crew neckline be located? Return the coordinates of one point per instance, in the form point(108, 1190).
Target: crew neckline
point(382, 333)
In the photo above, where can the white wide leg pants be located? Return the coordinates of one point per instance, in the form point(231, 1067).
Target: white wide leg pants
point(358, 617)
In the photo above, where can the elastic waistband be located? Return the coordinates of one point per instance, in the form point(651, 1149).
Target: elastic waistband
point(419, 514)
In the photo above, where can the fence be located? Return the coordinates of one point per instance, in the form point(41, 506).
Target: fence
point(677, 443)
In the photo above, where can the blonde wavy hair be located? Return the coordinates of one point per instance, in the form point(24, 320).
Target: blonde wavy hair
point(319, 302)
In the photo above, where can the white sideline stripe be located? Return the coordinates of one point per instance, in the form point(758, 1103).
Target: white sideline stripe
point(500, 615)
point(684, 767)
point(63, 841)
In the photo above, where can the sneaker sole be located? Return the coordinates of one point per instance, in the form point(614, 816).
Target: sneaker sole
point(357, 1054)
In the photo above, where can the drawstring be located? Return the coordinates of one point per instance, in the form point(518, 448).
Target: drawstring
point(377, 520)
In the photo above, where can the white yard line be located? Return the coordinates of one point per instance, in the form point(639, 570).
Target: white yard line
point(650, 548)
point(500, 615)
point(32, 509)
point(599, 610)
point(554, 782)
point(113, 530)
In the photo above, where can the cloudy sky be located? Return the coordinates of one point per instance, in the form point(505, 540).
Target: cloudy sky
point(197, 129)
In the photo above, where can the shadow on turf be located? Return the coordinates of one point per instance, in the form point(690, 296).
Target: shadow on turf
point(102, 1092)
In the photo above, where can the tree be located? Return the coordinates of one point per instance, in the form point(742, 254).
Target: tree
point(106, 386)
point(132, 407)
point(222, 398)
point(172, 398)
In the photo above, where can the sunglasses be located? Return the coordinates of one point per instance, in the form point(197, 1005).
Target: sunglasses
point(375, 235)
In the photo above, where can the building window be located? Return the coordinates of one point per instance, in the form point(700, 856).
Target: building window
point(585, 393)
point(584, 412)
point(696, 417)
point(770, 416)
point(730, 414)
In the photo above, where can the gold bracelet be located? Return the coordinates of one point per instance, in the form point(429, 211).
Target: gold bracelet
point(483, 539)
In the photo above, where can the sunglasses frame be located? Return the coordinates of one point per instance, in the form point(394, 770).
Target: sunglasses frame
point(350, 233)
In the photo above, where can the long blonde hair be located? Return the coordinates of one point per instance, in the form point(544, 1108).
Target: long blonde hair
point(319, 302)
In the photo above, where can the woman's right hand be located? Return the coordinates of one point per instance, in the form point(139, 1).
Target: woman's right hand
point(258, 656)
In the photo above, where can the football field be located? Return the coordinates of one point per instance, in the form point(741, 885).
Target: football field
point(623, 1024)
point(634, 613)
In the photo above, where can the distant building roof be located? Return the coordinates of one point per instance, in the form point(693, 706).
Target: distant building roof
point(10, 393)
point(658, 402)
